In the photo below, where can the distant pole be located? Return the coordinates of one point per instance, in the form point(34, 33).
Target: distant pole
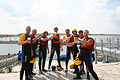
point(110, 46)
point(107, 42)
point(115, 59)
point(102, 50)
point(95, 53)
point(118, 43)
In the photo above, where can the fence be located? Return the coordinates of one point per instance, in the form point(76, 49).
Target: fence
point(110, 49)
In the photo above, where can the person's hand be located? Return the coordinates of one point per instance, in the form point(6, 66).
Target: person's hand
point(62, 48)
point(26, 41)
point(39, 35)
point(77, 57)
point(40, 54)
point(73, 43)
point(73, 54)
point(48, 51)
point(76, 38)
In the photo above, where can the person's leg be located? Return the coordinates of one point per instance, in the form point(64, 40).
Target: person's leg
point(88, 63)
point(30, 68)
point(81, 68)
point(77, 72)
point(58, 56)
point(22, 71)
point(44, 59)
point(74, 56)
point(68, 57)
point(88, 76)
point(40, 59)
point(51, 57)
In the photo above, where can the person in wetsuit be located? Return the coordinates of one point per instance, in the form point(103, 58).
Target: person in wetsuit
point(69, 48)
point(43, 42)
point(34, 47)
point(72, 42)
point(25, 40)
point(26, 51)
point(55, 47)
point(86, 53)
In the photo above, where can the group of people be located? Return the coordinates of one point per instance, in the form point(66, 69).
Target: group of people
point(30, 42)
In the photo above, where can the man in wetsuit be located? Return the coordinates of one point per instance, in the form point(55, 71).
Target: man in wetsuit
point(55, 47)
point(80, 33)
point(86, 54)
point(69, 48)
point(25, 41)
point(43, 42)
point(34, 47)
point(26, 51)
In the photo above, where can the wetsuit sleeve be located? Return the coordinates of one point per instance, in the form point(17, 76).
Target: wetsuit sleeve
point(22, 38)
point(90, 41)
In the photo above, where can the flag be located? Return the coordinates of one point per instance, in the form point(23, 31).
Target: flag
point(10, 37)
point(6, 37)
point(1, 37)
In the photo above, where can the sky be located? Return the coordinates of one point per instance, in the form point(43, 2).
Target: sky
point(97, 16)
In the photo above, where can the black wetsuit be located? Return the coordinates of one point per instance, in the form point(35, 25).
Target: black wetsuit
point(55, 47)
point(34, 47)
point(43, 51)
point(86, 56)
point(26, 51)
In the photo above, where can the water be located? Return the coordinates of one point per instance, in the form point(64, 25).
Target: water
point(14, 48)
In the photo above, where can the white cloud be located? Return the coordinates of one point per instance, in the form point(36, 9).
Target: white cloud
point(49, 9)
point(46, 14)
point(118, 12)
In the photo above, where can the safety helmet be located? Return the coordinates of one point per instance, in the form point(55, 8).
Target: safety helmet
point(74, 30)
point(77, 61)
point(53, 68)
point(71, 66)
point(58, 68)
point(45, 31)
point(33, 61)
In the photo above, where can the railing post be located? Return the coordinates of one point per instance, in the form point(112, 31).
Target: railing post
point(115, 59)
point(118, 43)
point(107, 42)
point(110, 46)
point(95, 52)
point(102, 50)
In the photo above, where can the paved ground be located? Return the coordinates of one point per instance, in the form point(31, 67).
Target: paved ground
point(108, 71)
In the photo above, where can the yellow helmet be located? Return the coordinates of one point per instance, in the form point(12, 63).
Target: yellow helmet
point(45, 31)
point(74, 30)
point(77, 61)
point(33, 61)
point(58, 68)
point(71, 66)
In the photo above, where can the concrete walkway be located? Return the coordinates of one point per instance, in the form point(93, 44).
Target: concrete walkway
point(107, 71)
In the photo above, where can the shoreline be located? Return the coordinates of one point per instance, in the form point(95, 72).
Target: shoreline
point(17, 35)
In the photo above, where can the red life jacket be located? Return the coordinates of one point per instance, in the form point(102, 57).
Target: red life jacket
point(72, 38)
point(43, 42)
point(36, 42)
point(56, 39)
point(88, 47)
